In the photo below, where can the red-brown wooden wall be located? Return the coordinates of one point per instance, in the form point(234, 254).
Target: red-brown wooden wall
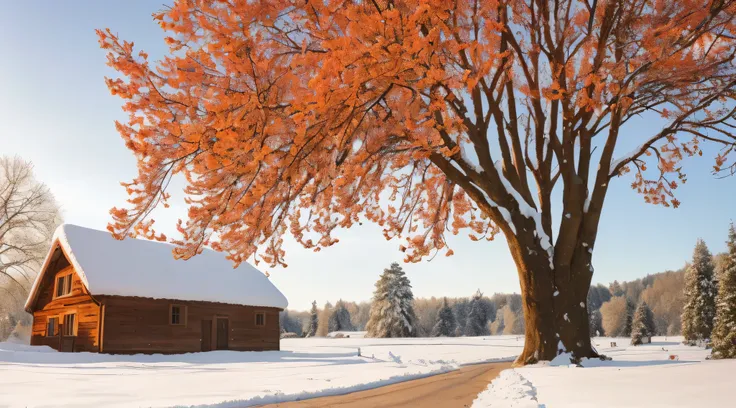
point(121, 324)
point(141, 325)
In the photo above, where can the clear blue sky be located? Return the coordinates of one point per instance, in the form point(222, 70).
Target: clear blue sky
point(56, 111)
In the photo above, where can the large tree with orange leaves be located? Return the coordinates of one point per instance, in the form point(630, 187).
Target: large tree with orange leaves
point(426, 117)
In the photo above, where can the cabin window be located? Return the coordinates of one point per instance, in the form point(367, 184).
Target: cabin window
point(69, 328)
point(260, 319)
point(51, 327)
point(177, 315)
point(63, 285)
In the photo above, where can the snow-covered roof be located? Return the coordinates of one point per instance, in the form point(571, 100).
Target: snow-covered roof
point(136, 267)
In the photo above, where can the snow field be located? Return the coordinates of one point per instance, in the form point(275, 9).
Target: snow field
point(304, 368)
point(638, 376)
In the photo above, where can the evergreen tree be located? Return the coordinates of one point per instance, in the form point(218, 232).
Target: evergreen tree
point(596, 323)
point(630, 309)
point(643, 324)
point(477, 323)
point(460, 309)
point(616, 289)
point(700, 291)
point(392, 311)
point(445, 326)
point(290, 323)
point(313, 320)
point(340, 318)
point(724, 332)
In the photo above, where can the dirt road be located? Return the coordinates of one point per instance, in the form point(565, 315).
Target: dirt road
point(454, 389)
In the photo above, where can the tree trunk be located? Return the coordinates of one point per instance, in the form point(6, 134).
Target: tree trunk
point(554, 302)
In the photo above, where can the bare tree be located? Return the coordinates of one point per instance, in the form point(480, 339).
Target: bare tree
point(28, 217)
point(614, 314)
point(513, 321)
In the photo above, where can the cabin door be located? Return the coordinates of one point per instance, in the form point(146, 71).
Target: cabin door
point(206, 335)
point(67, 344)
point(67, 333)
point(222, 333)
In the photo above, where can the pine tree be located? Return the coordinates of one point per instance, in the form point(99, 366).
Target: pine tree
point(313, 320)
point(724, 332)
point(461, 308)
point(630, 309)
point(596, 323)
point(616, 289)
point(445, 325)
point(700, 291)
point(392, 311)
point(643, 324)
point(340, 318)
point(477, 323)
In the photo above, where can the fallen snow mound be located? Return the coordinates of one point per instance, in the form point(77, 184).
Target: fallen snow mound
point(509, 389)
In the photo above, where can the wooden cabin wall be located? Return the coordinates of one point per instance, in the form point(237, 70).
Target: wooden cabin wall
point(79, 302)
point(141, 325)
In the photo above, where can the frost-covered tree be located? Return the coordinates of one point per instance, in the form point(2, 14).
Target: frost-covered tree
point(461, 308)
point(392, 310)
point(700, 291)
point(614, 315)
point(359, 313)
point(28, 217)
point(513, 321)
point(616, 289)
point(630, 309)
point(596, 323)
point(666, 298)
point(290, 322)
point(445, 325)
point(498, 325)
point(426, 310)
point(340, 318)
point(323, 327)
point(643, 324)
point(724, 332)
point(597, 295)
point(477, 322)
point(313, 320)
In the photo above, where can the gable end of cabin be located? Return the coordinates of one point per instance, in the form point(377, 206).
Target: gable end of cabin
point(65, 316)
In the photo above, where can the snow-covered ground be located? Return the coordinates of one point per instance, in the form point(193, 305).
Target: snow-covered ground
point(39, 376)
point(641, 376)
point(355, 334)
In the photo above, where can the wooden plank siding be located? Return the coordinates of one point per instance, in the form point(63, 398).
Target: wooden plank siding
point(142, 325)
point(79, 302)
point(126, 325)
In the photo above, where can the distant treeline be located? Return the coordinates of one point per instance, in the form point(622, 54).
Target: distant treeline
point(610, 307)
point(503, 315)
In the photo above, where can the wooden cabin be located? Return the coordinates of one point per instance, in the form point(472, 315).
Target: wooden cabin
point(98, 294)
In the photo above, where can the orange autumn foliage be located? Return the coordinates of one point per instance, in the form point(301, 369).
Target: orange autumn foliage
point(423, 116)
